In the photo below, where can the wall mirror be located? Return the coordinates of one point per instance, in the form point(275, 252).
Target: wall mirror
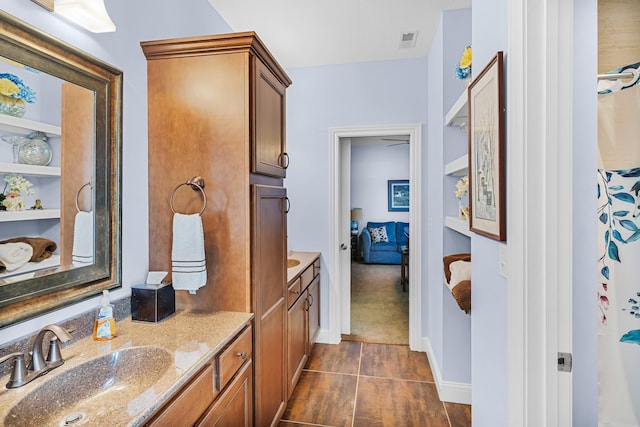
point(70, 225)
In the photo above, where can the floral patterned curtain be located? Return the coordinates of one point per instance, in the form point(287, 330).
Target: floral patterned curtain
point(619, 252)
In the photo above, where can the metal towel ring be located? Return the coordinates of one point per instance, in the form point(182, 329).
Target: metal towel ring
point(78, 193)
point(196, 183)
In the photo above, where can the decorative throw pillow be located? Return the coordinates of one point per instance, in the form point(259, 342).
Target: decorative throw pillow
point(379, 235)
point(460, 270)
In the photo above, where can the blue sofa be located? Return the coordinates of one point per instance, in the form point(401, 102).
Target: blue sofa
point(384, 252)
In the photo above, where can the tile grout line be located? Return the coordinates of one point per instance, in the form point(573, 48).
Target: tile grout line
point(355, 397)
point(446, 412)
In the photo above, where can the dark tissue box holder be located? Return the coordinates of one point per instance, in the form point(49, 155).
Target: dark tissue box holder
point(152, 303)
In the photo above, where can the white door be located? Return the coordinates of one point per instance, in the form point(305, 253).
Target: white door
point(345, 234)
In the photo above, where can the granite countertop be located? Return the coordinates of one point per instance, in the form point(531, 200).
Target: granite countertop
point(190, 338)
point(305, 258)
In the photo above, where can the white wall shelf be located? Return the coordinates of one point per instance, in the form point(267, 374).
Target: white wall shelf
point(458, 167)
point(30, 170)
point(23, 126)
point(457, 224)
point(29, 270)
point(458, 114)
point(29, 215)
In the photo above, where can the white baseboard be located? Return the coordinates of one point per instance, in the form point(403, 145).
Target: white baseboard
point(323, 337)
point(448, 391)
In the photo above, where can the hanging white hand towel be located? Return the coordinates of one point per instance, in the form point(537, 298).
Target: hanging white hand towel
point(15, 255)
point(189, 266)
point(82, 253)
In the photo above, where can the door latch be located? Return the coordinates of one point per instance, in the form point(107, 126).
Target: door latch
point(565, 362)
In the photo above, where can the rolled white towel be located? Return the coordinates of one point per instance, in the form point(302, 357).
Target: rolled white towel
point(15, 255)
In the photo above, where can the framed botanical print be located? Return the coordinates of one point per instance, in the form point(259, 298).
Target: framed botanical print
point(487, 196)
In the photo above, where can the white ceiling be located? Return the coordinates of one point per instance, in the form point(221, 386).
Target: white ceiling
point(303, 33)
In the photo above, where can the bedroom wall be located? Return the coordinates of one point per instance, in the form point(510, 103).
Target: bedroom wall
point(372, 165)
point(122, 49)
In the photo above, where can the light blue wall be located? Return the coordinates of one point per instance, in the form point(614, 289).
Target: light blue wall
point(368, 93)
point(135, 22)
point(585, 128)
point(449, 328)
point(489, 296)
point(432, 270)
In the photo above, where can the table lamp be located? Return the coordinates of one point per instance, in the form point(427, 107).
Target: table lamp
point(356, 215)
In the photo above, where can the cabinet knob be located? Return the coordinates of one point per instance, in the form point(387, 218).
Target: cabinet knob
point(284, 160)
point(242, 355)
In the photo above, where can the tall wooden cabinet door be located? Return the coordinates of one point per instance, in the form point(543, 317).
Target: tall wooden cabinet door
point(268, 145)
point(269, 300)
point(314, 312)
point(296, 341)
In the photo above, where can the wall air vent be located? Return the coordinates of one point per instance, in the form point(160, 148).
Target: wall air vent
point(408, 39)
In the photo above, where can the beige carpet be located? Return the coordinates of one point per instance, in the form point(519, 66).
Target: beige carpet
point(379, 308)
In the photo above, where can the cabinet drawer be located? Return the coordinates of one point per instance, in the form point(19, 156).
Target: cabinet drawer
point(294, 292)
point(190, 403)
point(306, 278)
point(233, 357)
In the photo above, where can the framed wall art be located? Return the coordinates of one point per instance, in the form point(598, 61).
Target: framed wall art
point(398, 195)
point(487, 197)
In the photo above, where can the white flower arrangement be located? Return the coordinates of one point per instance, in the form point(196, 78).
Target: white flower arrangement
point(462, 187)
point(16, 183)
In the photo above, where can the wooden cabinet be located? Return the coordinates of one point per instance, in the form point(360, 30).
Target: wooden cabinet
point(314, 312)
point(268, 151)
point(234, 408)
point(217, 109)
point(218, 395)
point(297, 347)
point(303, 321)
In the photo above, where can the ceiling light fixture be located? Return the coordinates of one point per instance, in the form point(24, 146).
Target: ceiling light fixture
point(89, 14)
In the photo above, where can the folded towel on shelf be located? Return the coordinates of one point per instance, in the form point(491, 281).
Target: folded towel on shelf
point(42, 248)
point(189, 266)
point(457, 272)
point(14, 256)
point(82, 252)
point(448, 259)
point(462, 294)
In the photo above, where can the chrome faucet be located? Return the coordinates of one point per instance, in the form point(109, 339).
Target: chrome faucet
point(37, 366)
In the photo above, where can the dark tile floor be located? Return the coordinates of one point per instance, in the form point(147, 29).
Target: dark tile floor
point(364, 385)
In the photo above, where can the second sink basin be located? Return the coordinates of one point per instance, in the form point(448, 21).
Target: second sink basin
point(77, 396)
point(292, 262)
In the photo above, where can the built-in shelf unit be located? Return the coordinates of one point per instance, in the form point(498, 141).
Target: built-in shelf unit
point(458, 115)
point(20, 126)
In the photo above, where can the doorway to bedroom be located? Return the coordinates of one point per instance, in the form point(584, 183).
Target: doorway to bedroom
point(379, 207)
point(407, 137)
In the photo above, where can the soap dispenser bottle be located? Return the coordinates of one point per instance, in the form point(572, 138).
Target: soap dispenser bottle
point(104, 327)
